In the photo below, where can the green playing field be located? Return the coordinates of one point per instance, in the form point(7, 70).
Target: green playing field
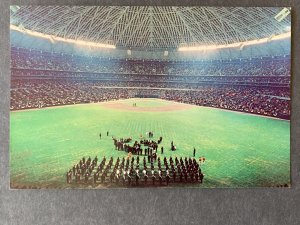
point(241, 150)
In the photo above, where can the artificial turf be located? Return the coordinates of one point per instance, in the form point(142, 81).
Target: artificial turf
point(241, 150)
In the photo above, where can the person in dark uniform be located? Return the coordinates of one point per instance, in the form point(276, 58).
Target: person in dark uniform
point(201, 176)
point(74, 169)
point(107, 133)
point(197, 177)
point(103, 177)
point(68, 177)
point(77, 177)
point(124, 177)
point(174, 176)
point(117, 178)
point(160, 178)
point(162, 150)
point(194, 153)
point(153, 177)
point(145, 176)
point(112, 176)
point(86, 177)
point(137, 177)
point(168, 177)
point(100, 135)
point(186, 177)
point(181, 177)
point(95, 177)
point(192, 177)
point(129, 178)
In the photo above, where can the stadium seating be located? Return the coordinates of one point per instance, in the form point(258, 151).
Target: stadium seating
point(258, 85)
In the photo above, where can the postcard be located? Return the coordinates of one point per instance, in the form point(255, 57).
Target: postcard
point(149, 96)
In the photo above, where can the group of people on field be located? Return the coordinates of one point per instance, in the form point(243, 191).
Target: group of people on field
point(135, 171)
point(129, 170)
point(150, 146)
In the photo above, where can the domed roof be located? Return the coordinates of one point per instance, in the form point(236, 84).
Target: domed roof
point(152, 27)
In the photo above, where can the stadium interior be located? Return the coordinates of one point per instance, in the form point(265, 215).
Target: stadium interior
point(230, 58)
point(253, 78)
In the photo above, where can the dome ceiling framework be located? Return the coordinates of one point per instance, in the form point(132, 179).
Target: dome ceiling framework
point(152, 27)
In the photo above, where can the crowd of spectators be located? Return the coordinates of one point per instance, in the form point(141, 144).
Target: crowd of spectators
point(271, 66)
point(42, 79)
point(251, 100)
point(40, 93)
point(165, 80)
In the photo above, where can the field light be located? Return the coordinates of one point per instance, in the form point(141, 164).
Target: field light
point(235, 45)
point(55, 38)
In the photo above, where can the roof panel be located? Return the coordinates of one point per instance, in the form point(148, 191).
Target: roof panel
point(151, 27)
